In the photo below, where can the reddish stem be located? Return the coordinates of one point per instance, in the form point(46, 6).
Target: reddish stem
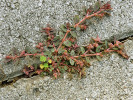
point(15, 57)
point(85, 55)
point(63, 40)
point(88, 16)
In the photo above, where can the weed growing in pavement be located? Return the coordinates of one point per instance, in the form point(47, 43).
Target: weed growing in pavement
point(60, 53)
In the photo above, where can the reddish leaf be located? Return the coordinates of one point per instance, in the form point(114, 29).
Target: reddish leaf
point(55, 75)
point(106, 6)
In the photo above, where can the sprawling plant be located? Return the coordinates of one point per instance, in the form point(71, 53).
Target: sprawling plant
point(60, 53)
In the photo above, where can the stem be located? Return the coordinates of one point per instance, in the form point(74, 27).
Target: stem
point(15, 57)
point(63, 40)
point(85, 55)
point(32, 54)
point(87, 17)
point(54, 47)
point(86, 52)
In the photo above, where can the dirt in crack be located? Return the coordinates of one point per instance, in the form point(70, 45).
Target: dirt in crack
point(11, 81)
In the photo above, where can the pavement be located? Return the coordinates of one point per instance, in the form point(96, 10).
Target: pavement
point(20, 26)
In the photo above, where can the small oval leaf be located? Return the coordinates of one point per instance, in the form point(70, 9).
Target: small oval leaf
point(76, 19)
point(56, 38)
point(61, 51)
point(67, 43)
point(98, 57)
point(72, 53)
point(71, 62)
point(61, 35)
point(87, 60)
point(73, 34)
point(82, 49)
point(98, 48)
point(63, 28)
point(106, 44)
point(52, 50)
point(96, 6)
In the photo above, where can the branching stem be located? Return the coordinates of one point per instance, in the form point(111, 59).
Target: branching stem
point(87, 17)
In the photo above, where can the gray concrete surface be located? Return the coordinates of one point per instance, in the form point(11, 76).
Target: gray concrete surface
point(21, 22)
point(109, 79)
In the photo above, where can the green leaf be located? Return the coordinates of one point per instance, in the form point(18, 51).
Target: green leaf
point(61, 35)
point(33, 51)
point(52, 50)
point(115, 48)
point(92, 52)
point(65, 67)
point(57, 43)
point(46, 65)
point(48, 53)
point(82, 50)
point(60, 50)
point(71, 62)
point(87, 60)
point(76, 19)
point(55, 58)
point(56, 38)
point(73, 34)
point(98, 48)
point(42, 58)
point(30, 50)
point(106, 44)
point(27, 49)
point(72, 28)
point(51, 69)
point(96, 6)
point(50, 46)
point(63, 28)
point(72, 53)
point(78, 28)
point(62, 71)
point(98, 57)
point(67, 43)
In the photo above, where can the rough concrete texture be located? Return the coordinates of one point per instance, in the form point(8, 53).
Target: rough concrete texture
point(109, 79)
point(21, 22)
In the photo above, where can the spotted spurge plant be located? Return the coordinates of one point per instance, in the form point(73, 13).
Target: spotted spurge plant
point(60, 53)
